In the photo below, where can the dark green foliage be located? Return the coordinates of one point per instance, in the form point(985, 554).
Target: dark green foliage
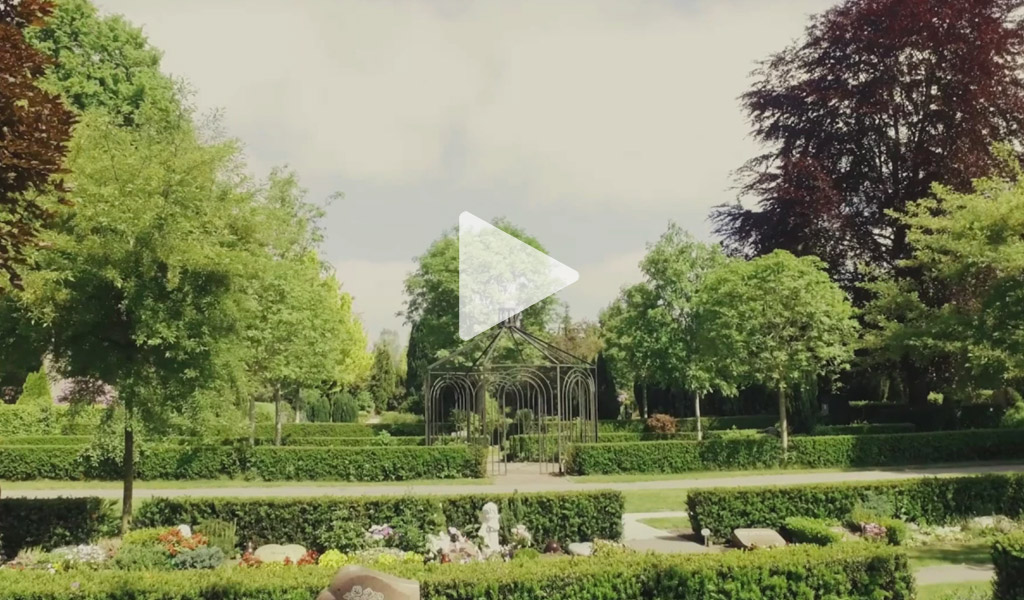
point(368, 464)
point(203, 557)
point(45, 440)
point(607, 396)
point(928, 500)
point(180, 462)
point(1008, 557)
point(527, 447)
point(804, 530)
point(684, 425)
point(864, 429)
point(292, 431)
point(563, 516)
point(355, 442)
point(142, 557)
point(220, 534)
point(674, 457)
point(812, 452)
point(144, 536)
point(344, 408)
point(50, 523)
point(850, 571)
point(318, 406)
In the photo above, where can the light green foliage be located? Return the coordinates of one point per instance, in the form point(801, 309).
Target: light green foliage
point(776, 320)
point(203, 557)
point(1014, 417)
point(967, 310)
point(384, 385)
point(432, 304)
point(36, 391)
point(220, 534)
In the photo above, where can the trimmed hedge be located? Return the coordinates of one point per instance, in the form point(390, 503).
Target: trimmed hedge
point(47, 420)
point(563, 516)
point(846, 571)
point(1008, 558)
point(27, 522)
point(368, 464)
point(690, 424)
point(864, 429)
point(357, 442)
point(927, 500)
point(304, 430)
point(45, 440)
point(804, 530)
point(809, 452)
point(522, 448)
point(180, 462)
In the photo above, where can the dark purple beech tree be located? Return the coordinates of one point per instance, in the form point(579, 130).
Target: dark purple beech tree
point(878, 101)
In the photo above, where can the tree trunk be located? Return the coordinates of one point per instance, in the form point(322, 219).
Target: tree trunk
point(252, 421)
point(277, 416)
point(129, 468)
point(696, 410)
point(783, 420)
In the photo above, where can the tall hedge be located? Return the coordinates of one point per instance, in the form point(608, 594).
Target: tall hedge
point(27, 522)
point(864, 429)
point(846, 571)
point(562, 516)
point(47, 420)
point(839, 451)
point(1008, 558)
point(526, 447)
point(182, 461)
point(931, 500)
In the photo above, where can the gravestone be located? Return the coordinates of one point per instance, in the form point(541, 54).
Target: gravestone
point(359, 583)
point(750, 539)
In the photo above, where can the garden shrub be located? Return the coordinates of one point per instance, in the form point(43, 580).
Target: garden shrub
point(864, 429)
point(844, 571)
point(527, 447)
point(562, 516)
point(203, 557)
point(368, 464)
point(220, 534)
point(49, 523)
point(1008, 558)
point(142, 557)
point(690, 424)
point(804, 530)
point(45, 440)
point(144, 536)
point(47, 420)
point(382, 439)
point(927, 500)
point(897, 533)
point(674, 457)
point(661, 423)
point(36, 391)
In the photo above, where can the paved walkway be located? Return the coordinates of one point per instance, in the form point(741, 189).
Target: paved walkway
point(528, 479)
point(953, 574)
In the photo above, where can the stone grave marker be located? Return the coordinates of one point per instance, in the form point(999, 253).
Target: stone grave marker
point(359, 583)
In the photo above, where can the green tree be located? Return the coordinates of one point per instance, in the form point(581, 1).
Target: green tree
point(36, 391)
point(383, 383)
point(971, 246)
point(633, 338)
point(776, 321)
point(432, 304)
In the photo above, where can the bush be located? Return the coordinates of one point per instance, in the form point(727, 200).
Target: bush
point(1014, 417)
point(142, 557)
point(896, 532)
point(383, 439)
point(220, 534)
point(522, 448)
point(864, 429)
point(345, 408)
point(203, 557)
point(36, 391)
point(50, 523)
point(368, 464)
point(662, 424)
point(1008, 558)
point(563, 516)
point(850, 571)
point(813, 452)
point(927, 500)
point(708, 424)
point(804, 530)
point(47, 420)
point(145, 536)
point(46, 440)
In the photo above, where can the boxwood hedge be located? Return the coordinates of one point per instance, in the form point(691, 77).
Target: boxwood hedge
point(562, 516)
point(52, 522)
point(179, 462)
point(864, 429)
point(690, 424)
point(1008, 558)
point(355, 442)
point(846, 571)
point(927, 500)
point(839, 451)
point(527, 447)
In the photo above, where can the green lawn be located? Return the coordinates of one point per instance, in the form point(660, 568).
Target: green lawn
point(962, 590)
point(48, 484)
point(670, 524)
point(950, 554)
point(654, 500)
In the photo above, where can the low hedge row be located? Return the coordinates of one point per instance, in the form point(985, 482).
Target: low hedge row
point(864, 429)
point(810, 452)
point(304, 430)
point(1008, 558)
point(84, 440)
point(562, 516)
point(527, 447)
point(804, 530)
point(690, 424)
point(356, 442)
point(53, 522)
point(45, 440)
point(849, 571)
point(47, 420)
point(179, 462)
point(927, 500)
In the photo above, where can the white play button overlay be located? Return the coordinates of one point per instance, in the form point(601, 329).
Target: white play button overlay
point(500, 276)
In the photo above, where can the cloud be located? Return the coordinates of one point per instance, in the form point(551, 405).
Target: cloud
point(376, 289)
point(598, 103)
point(601, 281)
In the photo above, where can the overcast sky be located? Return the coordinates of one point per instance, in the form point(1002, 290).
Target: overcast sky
point(589, 123)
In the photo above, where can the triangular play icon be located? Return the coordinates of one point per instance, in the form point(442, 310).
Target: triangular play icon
point(500, 276)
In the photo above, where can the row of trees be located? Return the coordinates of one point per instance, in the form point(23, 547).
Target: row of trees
point(163, 272)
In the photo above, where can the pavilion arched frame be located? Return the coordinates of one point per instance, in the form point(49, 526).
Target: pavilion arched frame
point(544, 394)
